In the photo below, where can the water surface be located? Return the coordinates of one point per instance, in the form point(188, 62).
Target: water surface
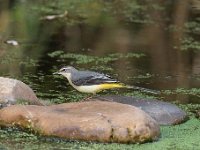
point(152, 44)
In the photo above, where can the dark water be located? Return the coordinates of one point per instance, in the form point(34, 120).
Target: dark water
point(164, 36)
point(148, 43)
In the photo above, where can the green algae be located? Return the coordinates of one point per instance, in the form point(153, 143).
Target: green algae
point(183, 91)
point(104, 12)
point(14, 57)
point(191, 109)
point(86, 59)
point(140, 94)
point(189, 43)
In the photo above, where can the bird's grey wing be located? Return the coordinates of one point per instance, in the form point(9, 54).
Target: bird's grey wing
point(92, 78)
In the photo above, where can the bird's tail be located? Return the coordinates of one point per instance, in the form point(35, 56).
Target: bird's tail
point(142, 89)
point(121, 85)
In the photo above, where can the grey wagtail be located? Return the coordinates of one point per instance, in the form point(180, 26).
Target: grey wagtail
point(93, 82)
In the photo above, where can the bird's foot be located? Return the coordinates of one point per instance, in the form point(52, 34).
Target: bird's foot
point(88, 98)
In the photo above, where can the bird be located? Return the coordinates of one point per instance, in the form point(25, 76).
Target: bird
point(93, 82)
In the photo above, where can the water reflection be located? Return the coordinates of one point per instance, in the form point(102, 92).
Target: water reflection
point(159, 29)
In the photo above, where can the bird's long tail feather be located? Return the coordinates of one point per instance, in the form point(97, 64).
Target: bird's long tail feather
point(121, 85)
point(143, 89)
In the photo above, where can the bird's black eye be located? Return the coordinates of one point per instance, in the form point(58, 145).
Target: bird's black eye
point(64, 70)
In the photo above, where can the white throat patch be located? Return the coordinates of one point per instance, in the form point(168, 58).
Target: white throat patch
point(67, 75)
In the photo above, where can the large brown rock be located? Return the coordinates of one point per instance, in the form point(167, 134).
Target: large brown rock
point(89, 121)
point(12, 90)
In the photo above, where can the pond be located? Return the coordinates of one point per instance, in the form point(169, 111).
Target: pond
point(152, 44)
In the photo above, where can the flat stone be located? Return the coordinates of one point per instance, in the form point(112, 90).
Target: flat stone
point(11, 91)
point(87, 121)
point(163, 112)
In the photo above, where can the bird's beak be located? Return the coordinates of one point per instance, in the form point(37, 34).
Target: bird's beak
point(56, 73)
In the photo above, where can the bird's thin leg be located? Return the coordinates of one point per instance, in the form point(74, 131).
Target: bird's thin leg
point(88, 97)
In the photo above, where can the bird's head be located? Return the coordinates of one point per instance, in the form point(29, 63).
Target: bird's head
point(66, 71)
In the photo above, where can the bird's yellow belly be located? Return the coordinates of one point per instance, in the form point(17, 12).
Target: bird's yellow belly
point(97, 88)
point(89, 88)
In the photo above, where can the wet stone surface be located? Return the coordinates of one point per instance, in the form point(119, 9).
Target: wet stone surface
point(163, 112)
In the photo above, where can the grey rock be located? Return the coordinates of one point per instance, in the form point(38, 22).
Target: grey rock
point(13, 91)
point(163, 112)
